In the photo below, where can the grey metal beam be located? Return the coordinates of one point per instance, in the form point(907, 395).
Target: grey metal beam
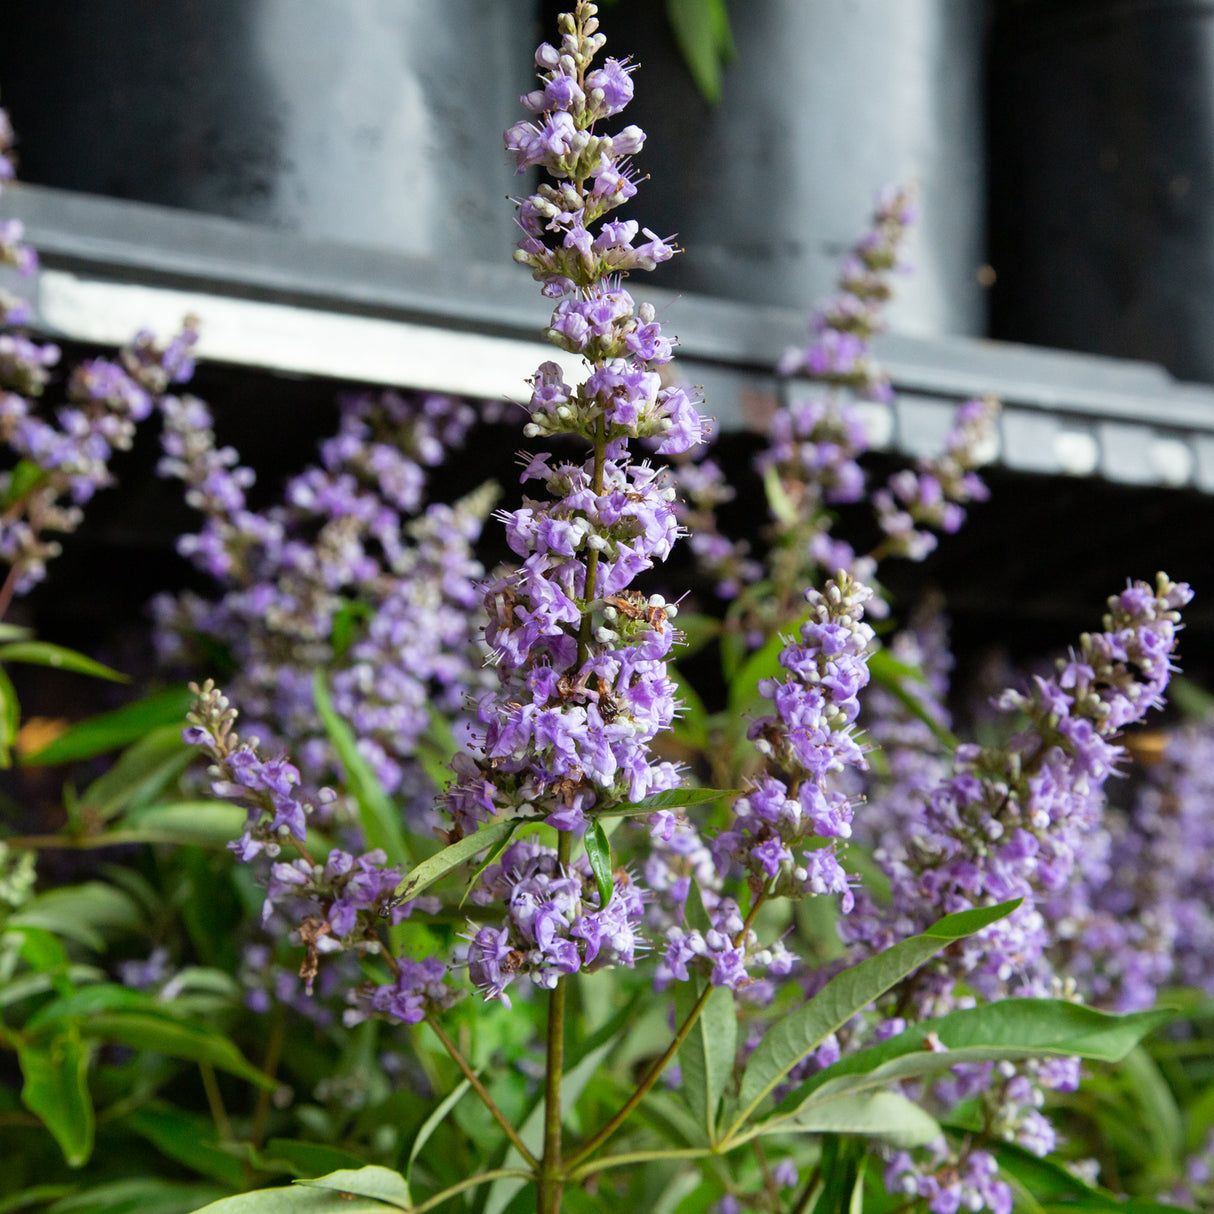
point(272, 300)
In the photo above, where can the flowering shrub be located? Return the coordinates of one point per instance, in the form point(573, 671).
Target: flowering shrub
point(515, 919)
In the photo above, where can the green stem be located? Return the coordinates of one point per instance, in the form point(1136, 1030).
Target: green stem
point(551, 1173)
point(479, 1088)
point(621, 1161)
point(261, 1112)
point(655, 1071)
point(806, 1193)
point(470, 1183)
point(219, 1114)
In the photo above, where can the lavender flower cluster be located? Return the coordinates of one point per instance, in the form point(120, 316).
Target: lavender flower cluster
point(337, 905)
point(809, 738)
point(1137, 917)
point(555, 923)
point(349, 544)
point(1012, 822)
point(64, 459)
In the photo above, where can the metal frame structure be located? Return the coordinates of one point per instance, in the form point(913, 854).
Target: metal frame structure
point(277, 302)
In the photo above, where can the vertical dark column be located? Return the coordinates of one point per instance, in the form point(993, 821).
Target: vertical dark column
point(373, 121)
point(1102, 173)
point(826, 102)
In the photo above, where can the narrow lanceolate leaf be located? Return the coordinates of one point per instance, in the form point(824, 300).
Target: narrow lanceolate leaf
point(598, 852)
point(439, 865)
point(379, 818)
point(675, 798)
point(43, 653)
point(380, 1184)
point(112, 730)
point(10, 718)
point(884, 1115)
point(296, 1199)
point(1010, 1030)
point(706, 1057)
point(764, 663)
point(433, 1122)
point(138, 1195)
point(898, 679)
point(790, 1039)
point(138, 775)
point(176, 1038)
point(55, 1089)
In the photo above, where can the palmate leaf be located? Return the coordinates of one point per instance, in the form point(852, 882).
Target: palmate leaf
point(1012, 1029)
point(790, 1039)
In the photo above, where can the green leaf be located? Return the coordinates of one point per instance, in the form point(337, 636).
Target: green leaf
point(379, 817)
point(56, 1089)
point(782, 507)
point(294, 1199)
point(144, 1196)
point(691, 725)
point(10, 718)
point(138, 775)
point(451, 857)
point(707, 1055)
point(346, 618)
point(101, 997)
point(790, 1039)
point(598, 852)
point(205, 823)
point(697, 630)
point(42, 950)
point(113, 730)
point(701, 28)
point(432, 1123)
point(178, 1039)
point(187, 1139)
point(1161, 1119)
point(22, 480)
point(86, 913)
point(884, 1115)
point(895, 676)
point(43, 653)
point(381, 1184)
point(675, 798)
point(1011, 1029)
point(842, 1172)
point(764, 663)
point(302, 1158)
point(34, 1196)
